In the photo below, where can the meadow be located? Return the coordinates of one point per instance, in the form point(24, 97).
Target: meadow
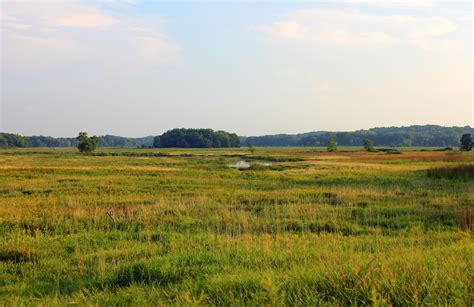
point(301, 226)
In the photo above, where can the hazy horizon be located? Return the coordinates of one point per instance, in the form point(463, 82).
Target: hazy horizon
point(140, 68)
point(249, 135)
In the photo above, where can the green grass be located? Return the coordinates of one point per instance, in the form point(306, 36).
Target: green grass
point(312, 228)
point(465, 172)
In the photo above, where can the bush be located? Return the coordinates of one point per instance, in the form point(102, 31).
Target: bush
point(393, 152)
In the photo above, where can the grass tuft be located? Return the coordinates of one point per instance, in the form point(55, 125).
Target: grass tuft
point(465, 172)
point(18, 255)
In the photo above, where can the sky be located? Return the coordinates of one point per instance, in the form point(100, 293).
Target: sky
point(137, 68)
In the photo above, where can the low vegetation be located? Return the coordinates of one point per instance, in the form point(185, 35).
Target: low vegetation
point(465, 172)
point(426, 135)
point(181, 227)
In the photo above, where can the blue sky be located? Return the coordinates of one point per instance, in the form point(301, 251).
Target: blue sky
point(138, 68)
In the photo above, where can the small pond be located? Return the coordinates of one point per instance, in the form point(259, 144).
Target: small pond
point(245, 165)
point(240, 164)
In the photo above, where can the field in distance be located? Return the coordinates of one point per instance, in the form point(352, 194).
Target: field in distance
point(299, 226)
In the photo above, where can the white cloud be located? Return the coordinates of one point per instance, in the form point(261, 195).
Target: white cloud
point(69, 27)
point(393, 3)
point(433, 27)
point(56, 14)
point(88, 18)
point(12, 22)
point(118, 2)
point(291, 30)
point(287, 30)
point(152, 46)
point(350, 27)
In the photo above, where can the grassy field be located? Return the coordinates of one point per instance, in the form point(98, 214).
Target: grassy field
point(300, 227)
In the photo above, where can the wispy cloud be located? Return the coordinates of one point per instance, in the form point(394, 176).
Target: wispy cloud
point(41, 27)
point(87, 18)
point(393, 3)
point(352, 27)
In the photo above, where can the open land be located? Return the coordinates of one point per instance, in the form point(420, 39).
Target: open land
point(178, 226)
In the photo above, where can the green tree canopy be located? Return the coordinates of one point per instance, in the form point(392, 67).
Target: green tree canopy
point(157, 141)
point(87, 144)
point(466, 142)
point(418, 135)
point(368, 144)
point(198, 138)
point(9, 140)
point(332, 144)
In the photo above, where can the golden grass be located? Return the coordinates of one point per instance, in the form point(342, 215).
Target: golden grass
point(336, 228)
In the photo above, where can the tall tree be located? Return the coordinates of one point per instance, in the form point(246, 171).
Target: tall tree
point(368, 144)
point(87, 144)
point(156, 141)
point(466, 142)
point(332, 145)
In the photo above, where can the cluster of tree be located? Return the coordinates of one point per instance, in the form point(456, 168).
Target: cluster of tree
point(466, 142)
point(123, 142)
point(196, 138)
point(366, 143)
point(14, 140)
point(281, 140)
point(86, 144)
point(9, 140)
point(426, 135)
point(47, 141)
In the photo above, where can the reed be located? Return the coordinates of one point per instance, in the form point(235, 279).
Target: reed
point(465, 171)
point(313, 228)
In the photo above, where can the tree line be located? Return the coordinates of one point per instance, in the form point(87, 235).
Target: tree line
point(182, 138)
point(196, 138)
point(427, 135)
point(420, 135)
point(9, 140)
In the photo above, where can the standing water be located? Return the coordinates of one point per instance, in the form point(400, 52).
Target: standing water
point(240, 165)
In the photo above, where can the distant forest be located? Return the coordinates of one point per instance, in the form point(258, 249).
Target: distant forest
point(196, 138)
point(8, 140)
point(426, 135)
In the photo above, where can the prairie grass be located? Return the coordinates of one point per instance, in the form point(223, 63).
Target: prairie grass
point(314, 228)
point(465, 171)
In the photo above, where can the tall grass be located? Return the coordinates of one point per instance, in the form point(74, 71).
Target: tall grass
point(465, 171)
point(342, 228)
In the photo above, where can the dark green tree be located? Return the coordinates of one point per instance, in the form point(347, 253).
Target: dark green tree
point(13, 140)
point(87, 144)
point(198, 138)
point(332, 145)
point(156, 141)
point(368, 144)
point(466, 142)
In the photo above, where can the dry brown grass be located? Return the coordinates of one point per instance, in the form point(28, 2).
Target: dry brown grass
point(466, 218)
